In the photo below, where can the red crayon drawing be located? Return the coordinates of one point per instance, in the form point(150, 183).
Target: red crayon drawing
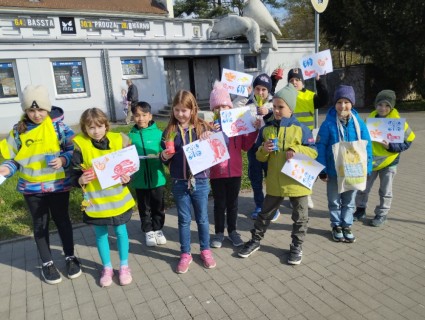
point(218, 148)
point(390, 137)
point(375, 133)
point(238, 126)
point(124, 167)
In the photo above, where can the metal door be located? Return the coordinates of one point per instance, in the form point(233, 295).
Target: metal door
point(177, 74)
point(205, 72)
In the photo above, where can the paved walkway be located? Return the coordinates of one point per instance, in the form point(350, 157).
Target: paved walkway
point(381, 276)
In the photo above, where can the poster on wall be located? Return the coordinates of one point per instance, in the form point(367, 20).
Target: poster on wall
point(7, 81)
point(69, 77)
point(132, 67)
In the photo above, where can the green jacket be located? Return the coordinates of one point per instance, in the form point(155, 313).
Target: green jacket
point(293, 135)
point(148, 142)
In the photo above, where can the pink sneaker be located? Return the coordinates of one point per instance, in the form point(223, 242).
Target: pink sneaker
point(106, 277)
point(125, 275)
point(207, 258)
point(183, 265)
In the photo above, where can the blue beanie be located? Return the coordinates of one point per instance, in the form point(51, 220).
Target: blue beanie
point(346, 92)
point(263, 80)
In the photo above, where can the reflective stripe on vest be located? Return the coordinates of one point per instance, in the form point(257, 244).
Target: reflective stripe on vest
point(304, 110)
point(35, 144)
point(114, 200)
point(382, 158)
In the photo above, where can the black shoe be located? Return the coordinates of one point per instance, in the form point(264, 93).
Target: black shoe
point(295, 254)
point(359, 214)
point(249, 247)
point(348, 235)
point(378, 221)
point(73, 266)
point(50, 274)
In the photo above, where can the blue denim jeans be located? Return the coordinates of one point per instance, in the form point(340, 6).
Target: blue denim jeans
point(256, 172)
point(341, 205)
point(198, 198)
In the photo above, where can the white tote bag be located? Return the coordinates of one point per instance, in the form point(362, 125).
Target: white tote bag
point(350, 160)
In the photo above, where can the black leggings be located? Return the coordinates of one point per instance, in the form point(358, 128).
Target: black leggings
point(41, 206)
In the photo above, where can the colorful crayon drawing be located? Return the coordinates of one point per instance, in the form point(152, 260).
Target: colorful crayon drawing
point(236, 82)
point(124, 167)
point(218, 149)
point(229, 76)
point(317, 63)
point(238, 126)
point(101, 165)
point(203, 154)
point(388, 129)
point(194, 151)
point(302, 169)
point(226, 116)
point(375, 133)
point(111, 166)
point(237, 121)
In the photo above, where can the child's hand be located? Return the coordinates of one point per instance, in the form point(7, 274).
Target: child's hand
point(249, 90)
point(217, 127)
point(268, 146)
point(262, 111)
point(385, 144)
point(165, 155)
point(257, 124)
point(86, 177)
point(290, 154)
point(4, 171)
point(57, 163)
point(205, 135)
point(125, 179)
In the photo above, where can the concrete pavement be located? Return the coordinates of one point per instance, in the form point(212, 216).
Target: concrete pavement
point(381, 276)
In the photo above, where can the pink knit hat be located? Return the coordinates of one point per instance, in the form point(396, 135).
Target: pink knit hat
point(219, 96)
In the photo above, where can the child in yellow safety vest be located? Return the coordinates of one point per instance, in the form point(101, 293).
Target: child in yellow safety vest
point(112, 206)
point(39, 148)
point(386, 156)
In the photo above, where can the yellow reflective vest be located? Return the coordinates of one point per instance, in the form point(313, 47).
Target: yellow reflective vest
point(36, 143)
point(304, 110)
point(111, 201)
point(382, 158)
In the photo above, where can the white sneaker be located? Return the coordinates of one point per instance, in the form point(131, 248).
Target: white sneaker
point(160, 238)
point(150, 239)
point(310, 202)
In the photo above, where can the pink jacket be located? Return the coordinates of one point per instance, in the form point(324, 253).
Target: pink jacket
point(233, 167)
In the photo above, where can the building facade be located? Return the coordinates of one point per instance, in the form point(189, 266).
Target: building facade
point(84, 57)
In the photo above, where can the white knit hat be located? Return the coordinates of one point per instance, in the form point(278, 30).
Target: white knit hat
point(36, 97)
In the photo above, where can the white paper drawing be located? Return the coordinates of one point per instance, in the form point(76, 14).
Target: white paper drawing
point(303, 169)
point(203, 154)
point(388, 129)
point(236, 122)
point(236, 82)
point(320, 62)
point(110, 167)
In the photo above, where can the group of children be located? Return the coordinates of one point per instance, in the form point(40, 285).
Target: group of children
point(46, 182)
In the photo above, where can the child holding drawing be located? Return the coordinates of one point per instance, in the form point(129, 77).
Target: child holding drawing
point(292, 137)
point(188, 189)
point(226, 176)
point(103, 207)
point(149, 181)
point(386, 156)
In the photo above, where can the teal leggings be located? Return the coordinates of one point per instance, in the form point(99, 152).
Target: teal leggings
point(103, 244)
